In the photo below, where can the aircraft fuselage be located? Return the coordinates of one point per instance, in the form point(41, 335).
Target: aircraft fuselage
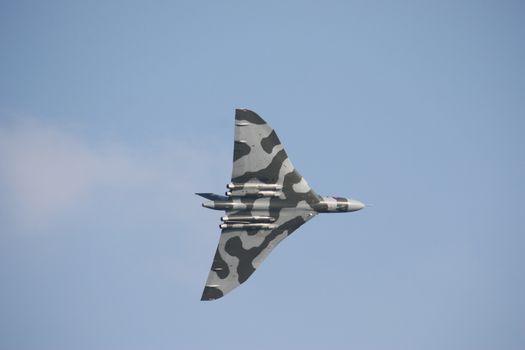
point(327, 204)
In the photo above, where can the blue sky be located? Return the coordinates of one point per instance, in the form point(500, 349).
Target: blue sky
point(113, 113)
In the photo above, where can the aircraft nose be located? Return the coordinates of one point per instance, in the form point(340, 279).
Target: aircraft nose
point(355, 205)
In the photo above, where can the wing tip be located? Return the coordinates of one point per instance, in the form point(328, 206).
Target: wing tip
point(211, 293)
point(248, 115)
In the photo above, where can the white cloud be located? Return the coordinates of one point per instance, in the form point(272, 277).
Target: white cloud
point(46, 171)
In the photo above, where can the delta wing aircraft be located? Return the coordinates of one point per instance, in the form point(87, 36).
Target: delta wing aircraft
point(267, 199)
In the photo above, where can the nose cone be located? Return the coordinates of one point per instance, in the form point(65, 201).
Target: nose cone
point(355, 205)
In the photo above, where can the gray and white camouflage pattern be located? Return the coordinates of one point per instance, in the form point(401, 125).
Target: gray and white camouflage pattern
point(267, 200)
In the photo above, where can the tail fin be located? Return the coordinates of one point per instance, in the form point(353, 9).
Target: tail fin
point(212, 196)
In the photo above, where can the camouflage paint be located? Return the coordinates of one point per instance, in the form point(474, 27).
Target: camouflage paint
point(265, 188)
